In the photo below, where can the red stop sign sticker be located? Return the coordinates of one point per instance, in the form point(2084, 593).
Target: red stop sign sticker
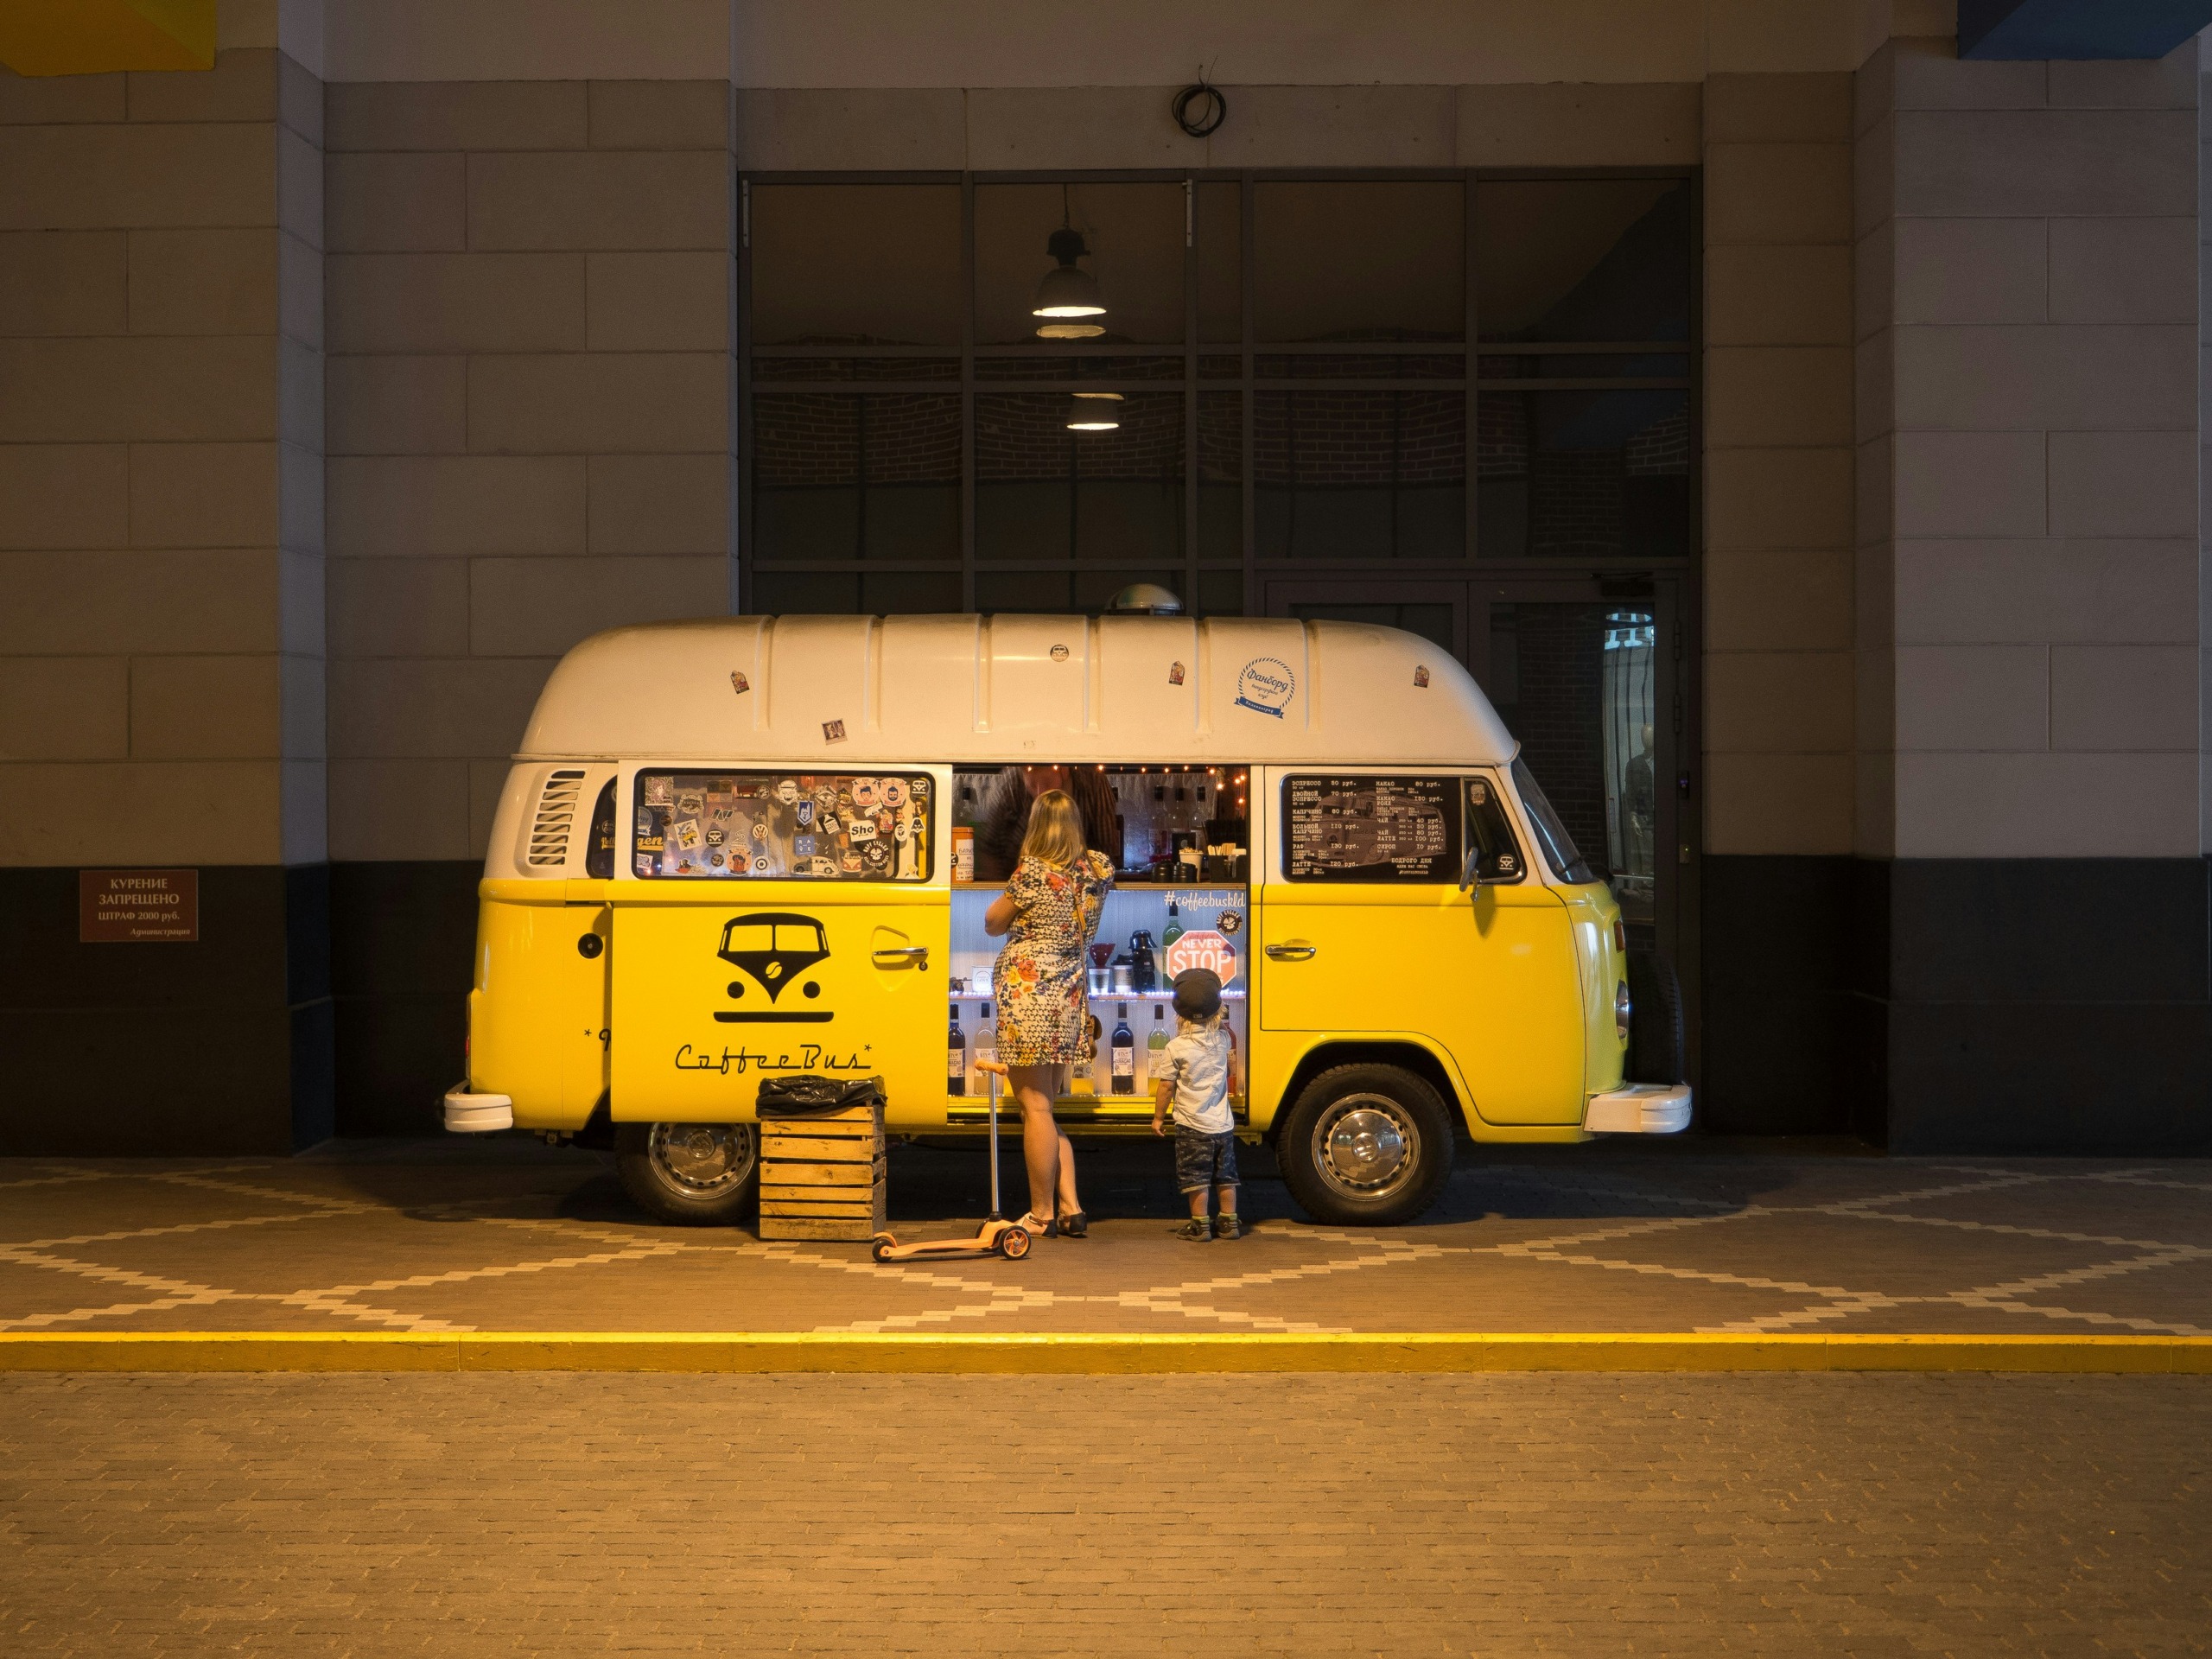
point(1202, 948)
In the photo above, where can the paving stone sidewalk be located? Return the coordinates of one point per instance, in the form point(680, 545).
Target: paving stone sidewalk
point(1333, 1517)
point(448, 1236)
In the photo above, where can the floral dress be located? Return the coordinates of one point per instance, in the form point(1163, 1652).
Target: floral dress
point(1038, 978)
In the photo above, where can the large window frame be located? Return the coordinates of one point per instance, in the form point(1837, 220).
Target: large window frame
point(1249, 571)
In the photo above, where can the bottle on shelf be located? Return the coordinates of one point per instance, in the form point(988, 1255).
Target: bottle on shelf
point(1156, 1043)
point(1125, 1053)
point(955, 1057)
point(987, 1047)
point(1173, 930)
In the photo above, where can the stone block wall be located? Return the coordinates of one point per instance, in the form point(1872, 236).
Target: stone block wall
point(161, 694)
point(529, 330)
point(2029, 303)
point(1777, 444)
point(529, 314)
point(2033, 908)
point(1779, 605)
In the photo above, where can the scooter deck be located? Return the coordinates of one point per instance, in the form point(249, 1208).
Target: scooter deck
point(986, 1241)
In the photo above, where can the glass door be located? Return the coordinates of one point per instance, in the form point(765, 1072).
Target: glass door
point(1587, 675)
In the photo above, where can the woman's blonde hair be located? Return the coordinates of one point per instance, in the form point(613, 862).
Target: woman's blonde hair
point(1055, 830)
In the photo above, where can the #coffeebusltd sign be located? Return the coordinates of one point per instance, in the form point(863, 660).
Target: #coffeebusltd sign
point(137, 907)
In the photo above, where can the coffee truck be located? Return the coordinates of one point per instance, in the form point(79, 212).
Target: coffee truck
point(737, 849)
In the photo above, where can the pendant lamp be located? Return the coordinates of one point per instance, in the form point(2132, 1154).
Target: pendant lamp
point(1094, 411)
point(1067, 299)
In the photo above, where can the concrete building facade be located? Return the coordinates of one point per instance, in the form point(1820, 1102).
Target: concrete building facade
point(351, 382)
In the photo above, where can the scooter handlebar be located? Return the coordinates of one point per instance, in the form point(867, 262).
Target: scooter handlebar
point(992, 1065)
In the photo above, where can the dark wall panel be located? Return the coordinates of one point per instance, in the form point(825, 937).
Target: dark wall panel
point(1961, 1004)
point(1780, 1022)
point(403, 935)
point(2047, 1005)
point(216, 1046)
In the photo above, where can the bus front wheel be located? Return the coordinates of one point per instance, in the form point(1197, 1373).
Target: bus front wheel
point(691, 1174)
point(1366, 1145)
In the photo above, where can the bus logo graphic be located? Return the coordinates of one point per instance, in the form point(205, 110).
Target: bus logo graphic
point(1265, 685)
point(774, 949)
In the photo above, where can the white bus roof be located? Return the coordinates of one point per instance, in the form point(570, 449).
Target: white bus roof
point(834, 690)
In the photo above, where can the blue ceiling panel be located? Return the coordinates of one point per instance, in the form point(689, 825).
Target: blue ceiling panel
point(2077, 28)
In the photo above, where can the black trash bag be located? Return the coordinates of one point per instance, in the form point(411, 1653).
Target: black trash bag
point(803, 1094)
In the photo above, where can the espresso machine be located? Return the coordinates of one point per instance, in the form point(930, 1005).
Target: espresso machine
point(1144, 962)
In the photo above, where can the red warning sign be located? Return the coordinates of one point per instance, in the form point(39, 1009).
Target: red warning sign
point(1202, 948)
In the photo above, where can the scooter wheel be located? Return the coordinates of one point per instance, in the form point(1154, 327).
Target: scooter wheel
point(1013, 1244)
point(882, 1251)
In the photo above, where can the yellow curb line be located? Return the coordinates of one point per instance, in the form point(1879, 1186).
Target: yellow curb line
point(1087, 1352)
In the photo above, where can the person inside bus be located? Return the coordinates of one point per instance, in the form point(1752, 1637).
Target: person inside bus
point(1002, 823)
point(1047, 915)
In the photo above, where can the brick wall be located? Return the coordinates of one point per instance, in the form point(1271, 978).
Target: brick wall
point(529, 307)
point(1314, 440)
point(810, 439)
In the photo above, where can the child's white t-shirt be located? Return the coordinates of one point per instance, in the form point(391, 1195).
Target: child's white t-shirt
point(1196, 1060)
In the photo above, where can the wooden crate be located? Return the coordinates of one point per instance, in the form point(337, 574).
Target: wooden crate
point(822, 1176)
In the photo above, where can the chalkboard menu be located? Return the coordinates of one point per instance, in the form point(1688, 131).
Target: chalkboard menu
point(1370, 829)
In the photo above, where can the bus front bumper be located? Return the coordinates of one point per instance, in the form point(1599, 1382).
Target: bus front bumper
point(467, 1113)
point(1639, 1108)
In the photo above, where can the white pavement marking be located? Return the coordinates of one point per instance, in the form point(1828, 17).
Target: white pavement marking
point(977, 1299)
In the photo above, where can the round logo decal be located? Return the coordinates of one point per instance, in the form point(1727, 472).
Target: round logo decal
point(1266, 685)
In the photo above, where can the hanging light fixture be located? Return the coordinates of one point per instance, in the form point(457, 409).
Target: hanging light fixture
point(1094, 411)
point(1067, 298)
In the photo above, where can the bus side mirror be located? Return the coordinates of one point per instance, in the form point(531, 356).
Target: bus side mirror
point(1471, 872)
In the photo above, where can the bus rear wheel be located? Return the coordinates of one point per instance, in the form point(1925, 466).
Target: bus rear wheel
point(691, 1174)
point(1366, 1145)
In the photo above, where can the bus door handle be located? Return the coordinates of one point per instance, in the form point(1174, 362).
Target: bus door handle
point(1291, 951)
point(911, 956)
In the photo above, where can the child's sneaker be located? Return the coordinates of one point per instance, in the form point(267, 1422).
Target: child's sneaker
point(1195, 1229)
point(1227, 1227)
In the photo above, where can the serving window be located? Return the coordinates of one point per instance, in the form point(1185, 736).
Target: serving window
point(694, 825)
point(1370, 827)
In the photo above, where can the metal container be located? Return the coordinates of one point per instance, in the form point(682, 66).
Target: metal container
point(1125, 979)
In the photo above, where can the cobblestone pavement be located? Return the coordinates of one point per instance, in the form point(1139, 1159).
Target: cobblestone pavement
point(427, 1238)
point(1101, 1517)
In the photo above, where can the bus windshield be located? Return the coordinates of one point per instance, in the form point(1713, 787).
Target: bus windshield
point(1567, 865)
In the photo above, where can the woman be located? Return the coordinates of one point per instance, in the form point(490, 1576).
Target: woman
point(1003, 819)
point(1049, 910)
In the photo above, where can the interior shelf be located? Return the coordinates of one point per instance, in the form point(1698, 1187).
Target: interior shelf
point(1124, 886)
point(1166, 994)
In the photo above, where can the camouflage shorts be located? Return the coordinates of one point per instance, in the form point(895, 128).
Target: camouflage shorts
point(1204, 1160)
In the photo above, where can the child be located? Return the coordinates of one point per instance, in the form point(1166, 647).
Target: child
point(1193, 1072)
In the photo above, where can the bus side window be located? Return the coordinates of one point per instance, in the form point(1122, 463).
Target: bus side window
point(1489, 828)
point(599, 850)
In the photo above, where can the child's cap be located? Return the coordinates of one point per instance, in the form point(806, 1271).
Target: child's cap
point(1198, 994)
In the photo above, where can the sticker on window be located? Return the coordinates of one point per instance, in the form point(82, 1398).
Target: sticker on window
point(801, 826)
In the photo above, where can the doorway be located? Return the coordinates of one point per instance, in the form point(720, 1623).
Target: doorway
point(1587, 674)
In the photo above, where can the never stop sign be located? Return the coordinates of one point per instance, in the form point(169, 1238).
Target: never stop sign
point(1202, 948)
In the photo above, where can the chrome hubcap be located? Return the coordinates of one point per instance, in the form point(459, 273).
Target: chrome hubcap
point(1366, 1146)
point(702, 1158)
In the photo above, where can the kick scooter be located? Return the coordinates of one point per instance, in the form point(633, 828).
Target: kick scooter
point(997, 1236)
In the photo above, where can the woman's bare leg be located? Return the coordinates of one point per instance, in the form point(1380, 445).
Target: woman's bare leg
point(1068, 1204)
point(1034, 1086)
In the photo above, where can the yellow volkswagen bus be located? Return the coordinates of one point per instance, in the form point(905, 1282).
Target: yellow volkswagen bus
point(751, 846)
